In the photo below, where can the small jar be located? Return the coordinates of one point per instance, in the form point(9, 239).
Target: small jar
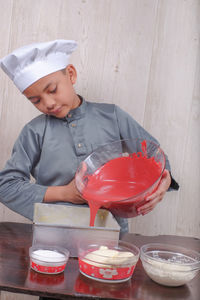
point(48, 259)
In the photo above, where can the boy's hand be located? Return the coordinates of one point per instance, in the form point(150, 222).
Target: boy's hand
point(157, 196)
point(65, 193)
point(73, 195)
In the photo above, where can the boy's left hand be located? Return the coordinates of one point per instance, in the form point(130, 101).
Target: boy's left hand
point(157, 196)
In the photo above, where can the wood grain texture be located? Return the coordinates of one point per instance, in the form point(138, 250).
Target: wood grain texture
point(5, 22)
point(168, 115)
point(13, 296)
point(142, 55)
point(189, 197)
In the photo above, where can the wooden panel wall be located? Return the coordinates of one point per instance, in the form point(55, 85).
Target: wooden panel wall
point(142, 55)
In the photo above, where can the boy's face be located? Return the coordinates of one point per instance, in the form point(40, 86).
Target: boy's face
point(54, 94)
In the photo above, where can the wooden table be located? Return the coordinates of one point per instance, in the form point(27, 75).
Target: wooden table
point(16, 276)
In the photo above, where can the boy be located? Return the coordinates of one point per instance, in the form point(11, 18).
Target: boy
point(52, 145)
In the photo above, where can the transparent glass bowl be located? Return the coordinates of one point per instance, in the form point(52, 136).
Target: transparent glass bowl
point(124, 176)
point(114, 264)
point(169, 265)
point(48, 259)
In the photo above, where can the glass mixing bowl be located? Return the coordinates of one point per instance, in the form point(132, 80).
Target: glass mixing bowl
point(121, 181)
point(169, 265)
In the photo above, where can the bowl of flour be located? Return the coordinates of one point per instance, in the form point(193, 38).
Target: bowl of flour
point(169, 265)
point(48, 259)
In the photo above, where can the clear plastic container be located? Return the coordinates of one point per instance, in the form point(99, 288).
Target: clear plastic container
point(47, 259)
point(169, 265)
point(124, 177)
point(108, 262)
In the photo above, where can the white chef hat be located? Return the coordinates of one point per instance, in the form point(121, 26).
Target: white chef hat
point(28, 64)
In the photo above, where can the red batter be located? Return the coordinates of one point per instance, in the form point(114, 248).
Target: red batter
point(119, 179)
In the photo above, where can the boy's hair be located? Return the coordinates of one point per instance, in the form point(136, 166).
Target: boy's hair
point(63, 71)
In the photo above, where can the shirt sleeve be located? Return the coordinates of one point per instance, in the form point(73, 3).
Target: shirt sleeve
point(128, 127)
point(16, 190)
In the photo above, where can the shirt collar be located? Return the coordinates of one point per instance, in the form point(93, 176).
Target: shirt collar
point(77, 112)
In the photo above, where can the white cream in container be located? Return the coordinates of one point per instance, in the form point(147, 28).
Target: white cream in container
point(108, 262)
point(49, 260)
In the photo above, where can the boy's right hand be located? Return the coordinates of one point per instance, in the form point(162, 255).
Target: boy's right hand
point(73, 195)
point(65, 193)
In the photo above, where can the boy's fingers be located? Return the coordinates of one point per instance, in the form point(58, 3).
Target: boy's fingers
point(80, 176)
point(83, 168)
point(162, 187)
point(157, 196)
point(149, 205)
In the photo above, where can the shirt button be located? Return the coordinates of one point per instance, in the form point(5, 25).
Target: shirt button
point(79, 145)
point(73, 125)
point(69, 115)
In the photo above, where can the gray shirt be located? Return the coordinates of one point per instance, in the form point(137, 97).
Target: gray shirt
point(51, 149)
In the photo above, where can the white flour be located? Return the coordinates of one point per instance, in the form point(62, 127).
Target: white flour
point(169, 274)
point(48, 255)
